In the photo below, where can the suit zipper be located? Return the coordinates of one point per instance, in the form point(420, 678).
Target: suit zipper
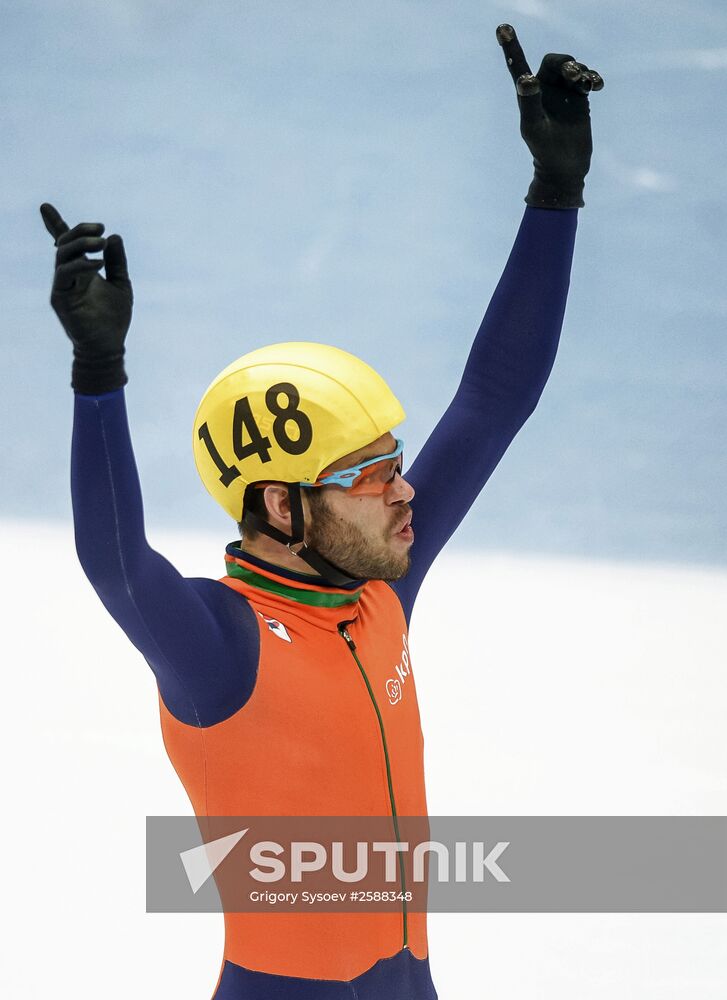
point(346, 636)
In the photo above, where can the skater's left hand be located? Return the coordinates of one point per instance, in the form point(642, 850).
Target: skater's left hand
point(555, 121)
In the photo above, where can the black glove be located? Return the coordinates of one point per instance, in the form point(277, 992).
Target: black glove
point(555, 121)
point(95, 312)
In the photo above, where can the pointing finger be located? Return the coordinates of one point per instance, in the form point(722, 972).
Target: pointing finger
point(53, 221)
point(514, 55)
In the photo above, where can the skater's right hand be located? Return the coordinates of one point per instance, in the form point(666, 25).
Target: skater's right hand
point(95, 312)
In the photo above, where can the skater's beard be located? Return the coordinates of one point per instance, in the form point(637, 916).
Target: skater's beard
point(361, 554)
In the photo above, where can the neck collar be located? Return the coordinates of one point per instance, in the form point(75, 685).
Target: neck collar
point(313, 591)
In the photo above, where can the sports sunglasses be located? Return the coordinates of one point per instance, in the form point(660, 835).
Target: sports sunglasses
point(372, 476)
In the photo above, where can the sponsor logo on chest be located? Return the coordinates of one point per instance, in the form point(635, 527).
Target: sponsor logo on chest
point(395, 684)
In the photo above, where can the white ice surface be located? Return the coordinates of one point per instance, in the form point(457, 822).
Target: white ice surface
point(545, 686)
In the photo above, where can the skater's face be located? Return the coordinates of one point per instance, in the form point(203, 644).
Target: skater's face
point(368, 535)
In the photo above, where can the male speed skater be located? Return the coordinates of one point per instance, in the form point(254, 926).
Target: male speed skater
point(275, 682)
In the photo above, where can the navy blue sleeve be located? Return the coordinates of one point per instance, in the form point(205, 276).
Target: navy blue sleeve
point(504, 376)
point(200, 638)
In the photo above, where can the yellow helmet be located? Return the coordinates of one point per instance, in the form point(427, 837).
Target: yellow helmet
point(286, 412)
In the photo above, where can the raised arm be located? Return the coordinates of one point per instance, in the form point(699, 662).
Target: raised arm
point(199, 637)
point(516, 344)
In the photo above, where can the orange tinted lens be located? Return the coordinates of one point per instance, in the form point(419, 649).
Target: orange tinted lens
point(375, 478)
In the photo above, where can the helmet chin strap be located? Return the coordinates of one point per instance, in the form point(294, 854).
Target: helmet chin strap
point(331, 574)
